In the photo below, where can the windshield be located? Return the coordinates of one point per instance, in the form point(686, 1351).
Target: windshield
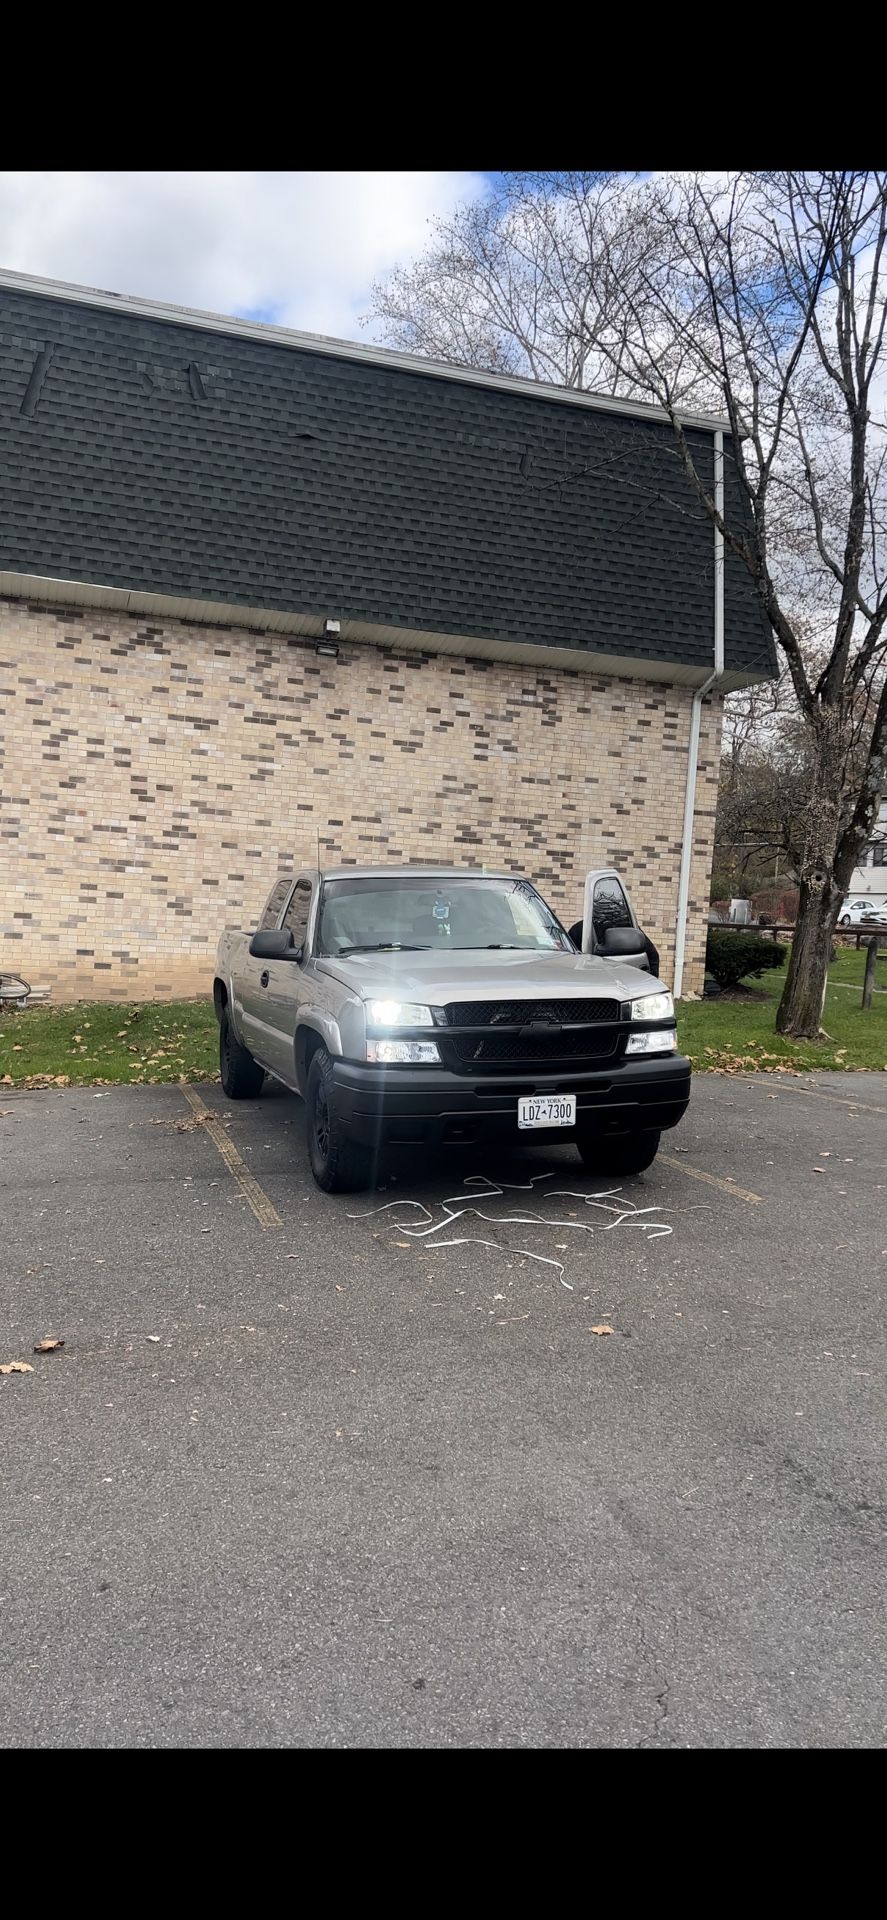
point(380, 915)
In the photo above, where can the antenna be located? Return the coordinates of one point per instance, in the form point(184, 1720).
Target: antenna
point(318, 848)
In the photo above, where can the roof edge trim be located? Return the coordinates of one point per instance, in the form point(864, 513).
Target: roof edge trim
point(268, 334)
point(310, 627)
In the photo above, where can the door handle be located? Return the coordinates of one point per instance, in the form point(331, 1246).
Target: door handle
point(264, 978)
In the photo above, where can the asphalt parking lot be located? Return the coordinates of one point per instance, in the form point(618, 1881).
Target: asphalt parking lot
point(303, 1478)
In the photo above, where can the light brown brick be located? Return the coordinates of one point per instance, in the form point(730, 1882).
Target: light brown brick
point(157, 774)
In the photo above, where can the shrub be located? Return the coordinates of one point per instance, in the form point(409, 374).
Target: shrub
point(730, 957)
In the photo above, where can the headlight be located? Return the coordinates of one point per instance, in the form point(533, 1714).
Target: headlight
point(662, 1040)
point(653, 1006)
point(397, 1013)
point(402, 1053)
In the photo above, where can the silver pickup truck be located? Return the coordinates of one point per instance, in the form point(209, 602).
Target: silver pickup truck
point(426, 1007)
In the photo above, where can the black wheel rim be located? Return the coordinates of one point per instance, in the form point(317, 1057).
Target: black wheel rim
point(321, 1123)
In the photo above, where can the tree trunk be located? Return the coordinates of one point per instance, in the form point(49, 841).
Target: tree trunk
point(803, 997)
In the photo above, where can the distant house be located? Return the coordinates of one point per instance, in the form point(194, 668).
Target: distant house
point(266, 596)
point(869, 879)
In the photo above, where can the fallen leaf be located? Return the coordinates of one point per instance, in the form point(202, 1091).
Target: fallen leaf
point(602, 1329)
point(51, 1345)
point(16, 1366)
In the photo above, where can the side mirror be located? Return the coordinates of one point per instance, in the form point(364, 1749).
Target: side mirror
point(622, 943)
point(273, 943)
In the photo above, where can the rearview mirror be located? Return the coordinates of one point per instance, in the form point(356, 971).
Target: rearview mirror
point(623, 941)
point(273, 943)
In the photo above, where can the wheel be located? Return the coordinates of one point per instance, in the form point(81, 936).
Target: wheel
point(632, 1154)
point(845, 919)
point(337, 1163)
point(240, 1074)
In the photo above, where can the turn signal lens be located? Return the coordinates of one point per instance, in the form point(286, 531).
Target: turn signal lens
point(400, 1053)
point(662, 1041)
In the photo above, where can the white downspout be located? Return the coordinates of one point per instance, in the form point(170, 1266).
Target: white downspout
point(695, 720)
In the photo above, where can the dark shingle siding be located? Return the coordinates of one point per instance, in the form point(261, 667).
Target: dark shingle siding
point(309, 484)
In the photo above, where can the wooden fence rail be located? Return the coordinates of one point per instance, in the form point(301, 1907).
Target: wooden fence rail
point(860, 936)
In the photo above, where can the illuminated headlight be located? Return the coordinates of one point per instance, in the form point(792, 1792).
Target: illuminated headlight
point(403, 1053)
point(663, 1040)
point(398, 1013)
point(653, 1006)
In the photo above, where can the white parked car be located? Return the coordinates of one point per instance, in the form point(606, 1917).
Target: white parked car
point(860, 913)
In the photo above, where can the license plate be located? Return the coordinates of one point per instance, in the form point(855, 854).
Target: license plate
point(547, 1110)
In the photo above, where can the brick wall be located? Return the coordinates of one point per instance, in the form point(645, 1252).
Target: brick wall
point(157, 775)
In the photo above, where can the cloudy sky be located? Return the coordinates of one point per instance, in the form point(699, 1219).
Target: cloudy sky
point(299, 248)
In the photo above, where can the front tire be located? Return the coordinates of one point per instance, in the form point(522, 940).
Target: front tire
point(634, 1153)
point(337, 1163)
point(240, 1074)
point(845, 919)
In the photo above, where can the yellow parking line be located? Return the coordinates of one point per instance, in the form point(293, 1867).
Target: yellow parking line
point(711, 1179)
point(265, 1213)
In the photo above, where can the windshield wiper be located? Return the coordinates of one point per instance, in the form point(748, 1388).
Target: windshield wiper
point(383, 946)
point(497, 946)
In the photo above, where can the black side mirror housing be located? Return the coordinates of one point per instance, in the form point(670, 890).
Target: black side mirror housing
point(623, 943)
point(273, 943)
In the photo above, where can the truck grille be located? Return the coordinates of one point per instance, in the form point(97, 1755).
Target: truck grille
point(514, 1035)
point(514, 1050)
point(516, 1013)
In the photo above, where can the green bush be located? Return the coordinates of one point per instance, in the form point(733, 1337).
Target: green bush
point(730, 957)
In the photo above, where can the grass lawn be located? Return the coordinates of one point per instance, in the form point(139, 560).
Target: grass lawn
point(96, 1044)
point(739, 1034)
point(92, 1044)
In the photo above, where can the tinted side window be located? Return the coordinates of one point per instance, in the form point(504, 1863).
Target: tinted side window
point(275, 902)
point(609, 908)
point(296, 916)
point(879, 854)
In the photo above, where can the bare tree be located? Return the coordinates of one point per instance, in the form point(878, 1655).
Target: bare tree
point(763, 295)
point(524, 282)
point(764, 793)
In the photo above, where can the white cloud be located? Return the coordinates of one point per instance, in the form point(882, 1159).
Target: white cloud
point(301, 248)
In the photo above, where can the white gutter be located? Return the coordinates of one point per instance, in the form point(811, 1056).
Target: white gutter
point(713, 680)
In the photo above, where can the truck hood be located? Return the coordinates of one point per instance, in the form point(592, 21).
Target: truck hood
point(433, 978)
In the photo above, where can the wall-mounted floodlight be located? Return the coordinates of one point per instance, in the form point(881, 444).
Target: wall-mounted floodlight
point(329, 645)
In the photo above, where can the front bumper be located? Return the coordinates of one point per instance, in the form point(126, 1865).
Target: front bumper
point(405, 1106)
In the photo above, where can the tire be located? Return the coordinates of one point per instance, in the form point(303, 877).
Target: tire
point(337, 1163)
point(240, 1074)
point(634, 1153)
point(845, 919)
